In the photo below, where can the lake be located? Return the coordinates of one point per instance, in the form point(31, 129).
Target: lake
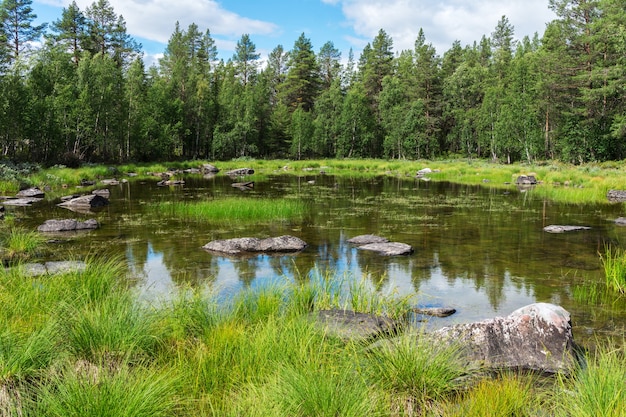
point(479, 249)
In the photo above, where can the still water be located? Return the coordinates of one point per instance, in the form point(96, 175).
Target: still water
point(479, 249)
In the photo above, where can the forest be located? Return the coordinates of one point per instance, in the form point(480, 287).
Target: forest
point(77, 90)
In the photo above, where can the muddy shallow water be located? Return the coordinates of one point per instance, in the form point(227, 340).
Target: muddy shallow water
point(480, 250)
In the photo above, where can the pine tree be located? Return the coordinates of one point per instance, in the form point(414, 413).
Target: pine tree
point(16, 18)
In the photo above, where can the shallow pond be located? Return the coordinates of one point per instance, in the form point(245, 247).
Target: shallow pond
point(479, 249)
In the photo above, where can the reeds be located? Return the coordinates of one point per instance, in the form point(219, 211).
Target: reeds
point(19, 244)
point(614, 263)
point(230, 211)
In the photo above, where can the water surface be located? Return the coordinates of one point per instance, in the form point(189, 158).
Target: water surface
point(479, 249)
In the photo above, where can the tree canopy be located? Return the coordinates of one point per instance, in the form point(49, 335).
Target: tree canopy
point(84, 93)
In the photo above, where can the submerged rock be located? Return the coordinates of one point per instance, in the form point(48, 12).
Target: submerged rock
point(367, 239)
point(434, 311)
point(351, 326)
point(21, 202)
point(67, 225)
point(237, 246)
point(557, 228)
point(537, 337)
point(53, 267)
point(388, 248)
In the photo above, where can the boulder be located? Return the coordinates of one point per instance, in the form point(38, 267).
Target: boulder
point(21, 202)
point(209, 169)
point(537, 337)
point(434, 311)
point(557, 228)
point(240, 172)
point(85, 203)
point(616, 196)
point(243, 186)
point(31, 193)
point(238, 246)
point(104, 192)
point(424, 171)
point(67, 225)
point(526, 180)
point(52, 267)
point(620, 221)
point(388, 248)
point(367, 239)
point(111, 181)
point(352, 326)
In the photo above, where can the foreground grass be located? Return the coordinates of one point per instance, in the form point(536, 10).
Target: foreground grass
point(80, 344)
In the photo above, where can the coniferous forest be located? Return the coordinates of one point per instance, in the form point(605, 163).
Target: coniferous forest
point(77, 90)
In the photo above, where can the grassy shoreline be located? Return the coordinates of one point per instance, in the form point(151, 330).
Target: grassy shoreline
point(79, 344)
point(576, 184)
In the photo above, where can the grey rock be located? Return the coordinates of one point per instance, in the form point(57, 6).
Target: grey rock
point(388, 248)
point(616, 196)
point(67, 225)
point(358, 327)
point(367, 239)
point(102, 193)
point(112, 181)
point(209, 169)
point(435, 311)
point(53, 267)
point(31, 193)
point(537, 337)
point(424, 171)
point(243, 186)
point(21, 202)
point(238, 246)
point(85, 202)
point(526, 180)
point(620, 221)
point(240, 172)
point(557, 228)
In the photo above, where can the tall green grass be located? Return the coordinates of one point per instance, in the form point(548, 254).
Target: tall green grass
point(614, 263)
point(19, 244)
point(234, 210)
point(598, 388)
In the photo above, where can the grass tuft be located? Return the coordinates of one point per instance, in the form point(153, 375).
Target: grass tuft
point(614, 263)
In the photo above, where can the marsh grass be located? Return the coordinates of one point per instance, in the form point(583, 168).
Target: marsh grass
point(116, 330)
point(235, 210)
point(20, 244)
point(414, 373)
point(614, 263)
point(506, 395)
point(597, 388)
point(125, 392)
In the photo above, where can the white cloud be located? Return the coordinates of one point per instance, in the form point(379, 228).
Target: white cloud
point(443, 21)
point(154, 19)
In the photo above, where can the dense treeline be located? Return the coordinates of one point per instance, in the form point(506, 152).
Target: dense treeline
point(85, 94)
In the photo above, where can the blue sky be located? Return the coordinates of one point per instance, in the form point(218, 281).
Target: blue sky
point(346, 23)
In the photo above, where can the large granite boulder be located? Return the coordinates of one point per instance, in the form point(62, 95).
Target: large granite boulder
point(348, 325)
point(537, 337)
point(209, 169)
point(67, 225)
point(238, 246)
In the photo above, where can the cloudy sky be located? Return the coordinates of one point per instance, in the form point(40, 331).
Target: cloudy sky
point(346, 23)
